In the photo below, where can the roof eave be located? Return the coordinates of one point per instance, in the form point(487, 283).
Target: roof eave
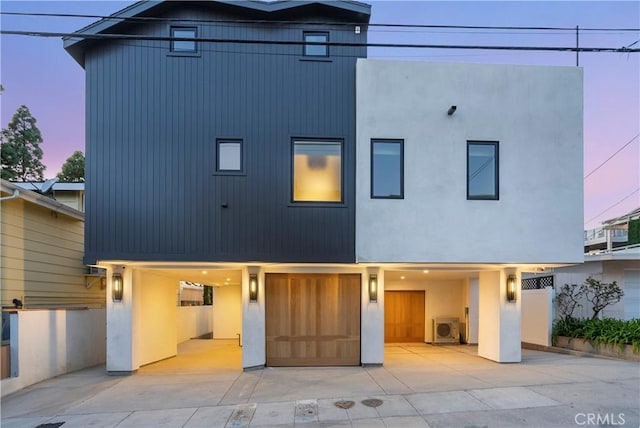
point(75, 45)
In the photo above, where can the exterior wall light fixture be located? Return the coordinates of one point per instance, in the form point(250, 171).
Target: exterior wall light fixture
point(253, 287)
point(117, 287)
point(511, 288)
point(451, 110)
point(373, 288)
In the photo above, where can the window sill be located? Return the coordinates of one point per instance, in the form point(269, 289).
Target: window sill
point(230, 173)
point(317, 205)
point(185, 54)
point(315, 59)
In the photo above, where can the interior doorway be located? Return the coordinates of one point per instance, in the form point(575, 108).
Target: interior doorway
point(404, 316)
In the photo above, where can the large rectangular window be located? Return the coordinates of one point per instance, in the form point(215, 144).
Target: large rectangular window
point(317, 171)
point(187, 46)
point(316, 49)
point(387, 169)
point(482, 170)
point(229, 156)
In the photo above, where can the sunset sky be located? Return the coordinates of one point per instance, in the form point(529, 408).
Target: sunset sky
point(38, 73)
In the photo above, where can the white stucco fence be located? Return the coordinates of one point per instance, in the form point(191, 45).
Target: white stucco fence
point(49, 343)
point(194, 321)
point(537, 316)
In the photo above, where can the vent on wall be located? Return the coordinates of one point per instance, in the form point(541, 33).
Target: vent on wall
point(445, 330)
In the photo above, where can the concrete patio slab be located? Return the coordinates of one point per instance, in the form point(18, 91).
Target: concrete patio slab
point(419, 385)
point(445, 402)
point(511, 398)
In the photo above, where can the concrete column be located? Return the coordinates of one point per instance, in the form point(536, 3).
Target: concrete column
point(499, 333)
point(372, 321)
point(121, 356)
point(254, 353)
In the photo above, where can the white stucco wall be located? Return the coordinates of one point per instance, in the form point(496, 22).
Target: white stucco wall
point(194, 321)
point(49, 343)
point(227, 312)
point(157, 316)
point(537, 316)
point(624, 272)
point(535, 112)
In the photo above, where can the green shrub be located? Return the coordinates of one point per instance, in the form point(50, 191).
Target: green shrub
point(606, 331)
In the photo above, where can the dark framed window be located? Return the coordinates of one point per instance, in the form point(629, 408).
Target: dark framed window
point(186, 46)
point(482, 170)
point(387, 169)
point(317, 171)
point(316, 49)
point(229, 156)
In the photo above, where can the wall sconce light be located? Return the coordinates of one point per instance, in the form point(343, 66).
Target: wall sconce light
point(116, 287)
point(373, 288)
point(253, 287)
point(511, 288)
point(451, 110)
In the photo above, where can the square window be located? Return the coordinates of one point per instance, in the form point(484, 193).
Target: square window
point(183, 45)
point(317, 171)
point(482, 170)
point(316, 49)
point(387, 169)
point(229, 156)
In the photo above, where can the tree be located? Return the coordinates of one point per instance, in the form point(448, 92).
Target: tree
point(600, 294)
point(20, 148)
point(567, 300)
point(73, 168)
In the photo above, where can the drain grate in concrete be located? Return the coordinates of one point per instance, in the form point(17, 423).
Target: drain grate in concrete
point(306, 408)
point(344, 404)
point(241, 415)
point(372, 402)
point(51, 425)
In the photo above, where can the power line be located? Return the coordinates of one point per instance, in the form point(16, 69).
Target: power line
point(267, 21)
point(610, 157)
point(301, 42)
point(614, 205)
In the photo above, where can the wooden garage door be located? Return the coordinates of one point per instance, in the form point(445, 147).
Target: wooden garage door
point(404, 316)
point(313, 319)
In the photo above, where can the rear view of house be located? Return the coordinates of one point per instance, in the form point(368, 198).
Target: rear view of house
point(333, 202)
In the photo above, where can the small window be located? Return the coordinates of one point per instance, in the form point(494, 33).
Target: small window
point(183, 45)
point(482, 170)
point(229, 153)
point(316, 49)
point(387, 169)
point(317, 171)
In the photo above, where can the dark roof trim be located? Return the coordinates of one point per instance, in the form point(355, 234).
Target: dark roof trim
point(75, 46)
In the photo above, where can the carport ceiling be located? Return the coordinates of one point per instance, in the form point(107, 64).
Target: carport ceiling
point(205, 276)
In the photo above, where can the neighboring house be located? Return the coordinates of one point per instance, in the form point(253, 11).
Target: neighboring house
point(620, 263)
point(70, 194)
point(53, 313)
point(334, 202)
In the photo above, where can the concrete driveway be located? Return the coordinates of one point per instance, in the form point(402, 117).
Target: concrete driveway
point(419, 386)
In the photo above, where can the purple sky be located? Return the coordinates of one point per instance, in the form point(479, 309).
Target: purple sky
point(38, 72)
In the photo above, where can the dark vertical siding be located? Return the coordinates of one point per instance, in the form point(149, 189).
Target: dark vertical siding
point(152, 123)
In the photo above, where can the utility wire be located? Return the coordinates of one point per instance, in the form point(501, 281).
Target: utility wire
point(301, 42)
point(614, 205)
point(610, 157)
point(267, 21)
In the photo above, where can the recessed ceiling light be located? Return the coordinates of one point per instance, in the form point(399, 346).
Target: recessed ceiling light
point(204, 272)
point(228, 279)
point(425, 271)
point(402, 277)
